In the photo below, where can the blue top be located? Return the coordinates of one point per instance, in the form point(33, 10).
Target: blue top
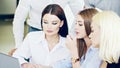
point(91, 59)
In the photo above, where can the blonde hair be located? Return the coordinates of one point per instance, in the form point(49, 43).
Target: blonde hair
point(109, 23)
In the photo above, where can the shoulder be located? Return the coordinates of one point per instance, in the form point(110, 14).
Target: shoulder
point(62, 39)
point(35, 35)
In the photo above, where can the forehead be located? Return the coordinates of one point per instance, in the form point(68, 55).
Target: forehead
point(50, 17)
point(79, 19)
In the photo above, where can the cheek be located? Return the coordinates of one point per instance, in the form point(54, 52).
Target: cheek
point(95, 39)
point(44, 27)
point(83, 32)
point(56, 28)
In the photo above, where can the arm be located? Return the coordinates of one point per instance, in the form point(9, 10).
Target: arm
point(23, 52)
point(91, 3)
point(103, 65)
point(30, 65)
point(76, 5)
point(92, 59)
point(71, 44)
point(76, 65)
point(19, 19)
point(65, 63)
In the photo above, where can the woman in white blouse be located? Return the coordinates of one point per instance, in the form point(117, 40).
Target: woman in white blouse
point(46, 48)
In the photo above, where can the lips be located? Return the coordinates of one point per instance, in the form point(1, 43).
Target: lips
point(49, 31)
point(77, 33)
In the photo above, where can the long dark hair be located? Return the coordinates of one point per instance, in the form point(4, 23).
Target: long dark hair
point(56, 10)
point(87, 15)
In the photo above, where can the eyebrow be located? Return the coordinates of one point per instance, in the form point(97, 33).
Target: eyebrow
point(56, 21)
point(79, 21)
point(44, 19)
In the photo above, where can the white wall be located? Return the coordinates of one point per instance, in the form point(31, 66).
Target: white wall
point(7, 6)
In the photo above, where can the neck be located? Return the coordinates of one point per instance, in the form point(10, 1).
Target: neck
point(52, 41)
point(52, 38)
point(88, 42)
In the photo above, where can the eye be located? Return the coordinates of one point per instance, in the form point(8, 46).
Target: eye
point(80, 24)
point(45, 22)
point(54, 23)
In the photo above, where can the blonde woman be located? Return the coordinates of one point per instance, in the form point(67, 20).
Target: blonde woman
point(106, 34)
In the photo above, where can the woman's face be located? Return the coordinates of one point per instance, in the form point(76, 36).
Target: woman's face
point(95, 35)
point(80, 27)
point(51, 24)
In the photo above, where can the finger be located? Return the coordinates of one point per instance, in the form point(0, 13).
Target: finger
point(33, 66)
point(74, 39)
point(37, 66)
point(69, 37)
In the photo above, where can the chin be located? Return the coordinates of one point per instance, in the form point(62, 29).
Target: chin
point(95, 44)
point(49, 34)
point(78, 37)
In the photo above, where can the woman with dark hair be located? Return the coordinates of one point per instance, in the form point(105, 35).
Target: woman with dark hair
point(84, 55)
point(57, 11)
point(46, 48)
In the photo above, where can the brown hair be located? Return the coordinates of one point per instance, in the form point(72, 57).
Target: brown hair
point(87, 15)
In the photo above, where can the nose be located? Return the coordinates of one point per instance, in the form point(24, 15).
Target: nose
point(49, 25)
point(76, 26)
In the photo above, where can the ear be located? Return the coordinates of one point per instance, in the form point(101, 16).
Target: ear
point(61, 24)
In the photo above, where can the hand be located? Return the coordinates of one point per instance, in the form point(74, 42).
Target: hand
point(30, 65)
point(12, 51)
point(71, 44)
point(43, 66)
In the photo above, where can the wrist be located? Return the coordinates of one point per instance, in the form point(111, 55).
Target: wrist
point(23, 65)
point(75, 59)
point(74, 53)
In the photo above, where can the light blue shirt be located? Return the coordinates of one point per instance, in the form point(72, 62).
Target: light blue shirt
point(66, 63)
point(91, 59)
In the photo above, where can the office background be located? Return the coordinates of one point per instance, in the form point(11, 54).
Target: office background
point(7, 9)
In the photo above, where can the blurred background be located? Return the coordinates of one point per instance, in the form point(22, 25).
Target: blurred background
point(7, 9)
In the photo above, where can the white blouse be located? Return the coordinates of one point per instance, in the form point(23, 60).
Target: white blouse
point(36, 48)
